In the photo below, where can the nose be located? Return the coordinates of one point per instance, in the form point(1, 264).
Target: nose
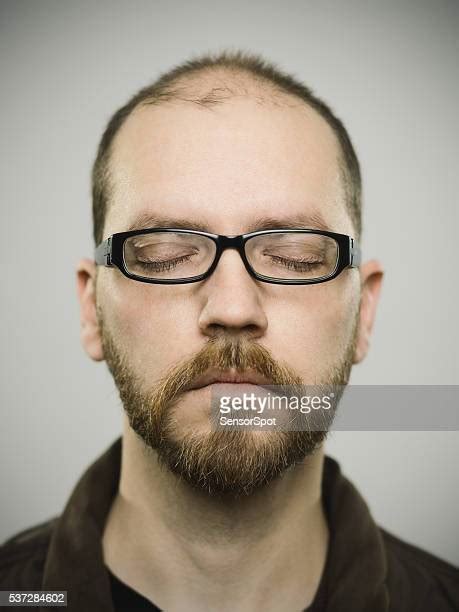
point(232, 300)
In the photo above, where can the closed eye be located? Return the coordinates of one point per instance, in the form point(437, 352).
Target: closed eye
point(296, 264)
point(162, 265)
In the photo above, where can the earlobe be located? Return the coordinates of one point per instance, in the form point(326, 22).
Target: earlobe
point(371, 275)
point(90, 331)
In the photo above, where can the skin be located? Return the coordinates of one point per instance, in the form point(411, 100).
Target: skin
point(227, 169)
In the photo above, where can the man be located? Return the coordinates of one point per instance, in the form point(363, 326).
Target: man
point(226, 201)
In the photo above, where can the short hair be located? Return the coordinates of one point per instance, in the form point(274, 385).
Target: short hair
point(172, 86)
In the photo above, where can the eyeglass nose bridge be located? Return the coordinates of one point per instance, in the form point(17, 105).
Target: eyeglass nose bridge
point(224, 243)
point(230, 242)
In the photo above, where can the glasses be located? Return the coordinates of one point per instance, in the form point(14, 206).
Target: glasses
point(171, 256)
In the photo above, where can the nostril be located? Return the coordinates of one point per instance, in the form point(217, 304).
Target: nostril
point(249, 332)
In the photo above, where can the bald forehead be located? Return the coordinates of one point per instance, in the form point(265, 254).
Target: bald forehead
point(209, 89)
point(255, 145)
point(283, 118)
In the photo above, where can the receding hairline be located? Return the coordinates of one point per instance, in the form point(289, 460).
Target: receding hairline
point(206, 90)
point(209, 81)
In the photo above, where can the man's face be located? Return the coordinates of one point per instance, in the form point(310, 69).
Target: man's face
point(230, 170)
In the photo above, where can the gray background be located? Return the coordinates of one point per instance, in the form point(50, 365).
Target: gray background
point(389, 69)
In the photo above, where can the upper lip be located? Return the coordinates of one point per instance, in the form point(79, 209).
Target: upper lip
point(229, 376)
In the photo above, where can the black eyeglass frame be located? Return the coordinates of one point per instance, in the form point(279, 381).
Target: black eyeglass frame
point(110, 253)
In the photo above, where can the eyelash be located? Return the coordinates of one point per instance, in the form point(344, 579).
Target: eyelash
point(292, 264)
point(164, 266)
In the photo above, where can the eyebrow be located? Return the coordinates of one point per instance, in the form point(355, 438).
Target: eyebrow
point(312, 220)
point(148, 220)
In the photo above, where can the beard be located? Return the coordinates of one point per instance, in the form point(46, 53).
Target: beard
point(221, 463)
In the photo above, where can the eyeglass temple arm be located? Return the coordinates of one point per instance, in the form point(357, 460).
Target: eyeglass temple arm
point(103, 253)
point(355, 254)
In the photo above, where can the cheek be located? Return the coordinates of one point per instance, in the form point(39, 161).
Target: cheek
point(152, 324)
point(311, 327)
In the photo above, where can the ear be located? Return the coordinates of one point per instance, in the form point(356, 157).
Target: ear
point(371, 275)
point(90, 331)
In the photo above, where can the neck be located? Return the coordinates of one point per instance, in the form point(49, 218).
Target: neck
point(176, 544)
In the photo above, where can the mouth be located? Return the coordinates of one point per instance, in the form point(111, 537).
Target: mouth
point(229, 377)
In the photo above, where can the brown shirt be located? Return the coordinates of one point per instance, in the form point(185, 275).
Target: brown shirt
point(367, 569)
